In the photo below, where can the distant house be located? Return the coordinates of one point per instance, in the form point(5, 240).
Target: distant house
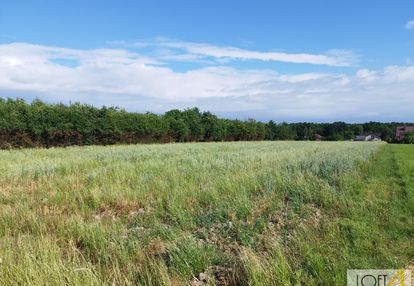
point(360, 138)
point(318, 137)
point(369, 137)
point(402, 130)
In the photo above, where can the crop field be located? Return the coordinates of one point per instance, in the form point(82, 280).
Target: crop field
point(242, 213)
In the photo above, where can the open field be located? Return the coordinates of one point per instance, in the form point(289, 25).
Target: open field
point(243, 213)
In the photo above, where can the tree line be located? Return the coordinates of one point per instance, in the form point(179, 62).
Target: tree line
point(39, 124)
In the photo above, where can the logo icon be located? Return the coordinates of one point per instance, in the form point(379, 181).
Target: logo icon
point(378, 277)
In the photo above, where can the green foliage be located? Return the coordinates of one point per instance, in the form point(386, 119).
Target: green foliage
point(409, 138)
point(46, 125)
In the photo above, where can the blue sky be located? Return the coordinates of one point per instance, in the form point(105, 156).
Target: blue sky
point(282, 60)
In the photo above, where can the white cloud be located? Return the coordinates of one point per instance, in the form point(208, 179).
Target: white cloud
point(137, 82)
point(366, 74)
point(236, 53)
point(410, 25)
point(200, 50)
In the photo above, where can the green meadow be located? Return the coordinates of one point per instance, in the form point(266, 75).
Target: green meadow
point(241, 213)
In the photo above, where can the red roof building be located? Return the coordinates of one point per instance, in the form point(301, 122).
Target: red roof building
point(401, 130)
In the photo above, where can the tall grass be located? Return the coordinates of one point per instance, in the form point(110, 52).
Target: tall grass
point(245, 213)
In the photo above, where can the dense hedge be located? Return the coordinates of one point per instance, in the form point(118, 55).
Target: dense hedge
point(38, 124)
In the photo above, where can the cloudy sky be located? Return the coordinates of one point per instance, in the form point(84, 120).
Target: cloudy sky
point(283, 60)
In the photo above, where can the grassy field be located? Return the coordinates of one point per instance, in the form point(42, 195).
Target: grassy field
point(247, 213)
